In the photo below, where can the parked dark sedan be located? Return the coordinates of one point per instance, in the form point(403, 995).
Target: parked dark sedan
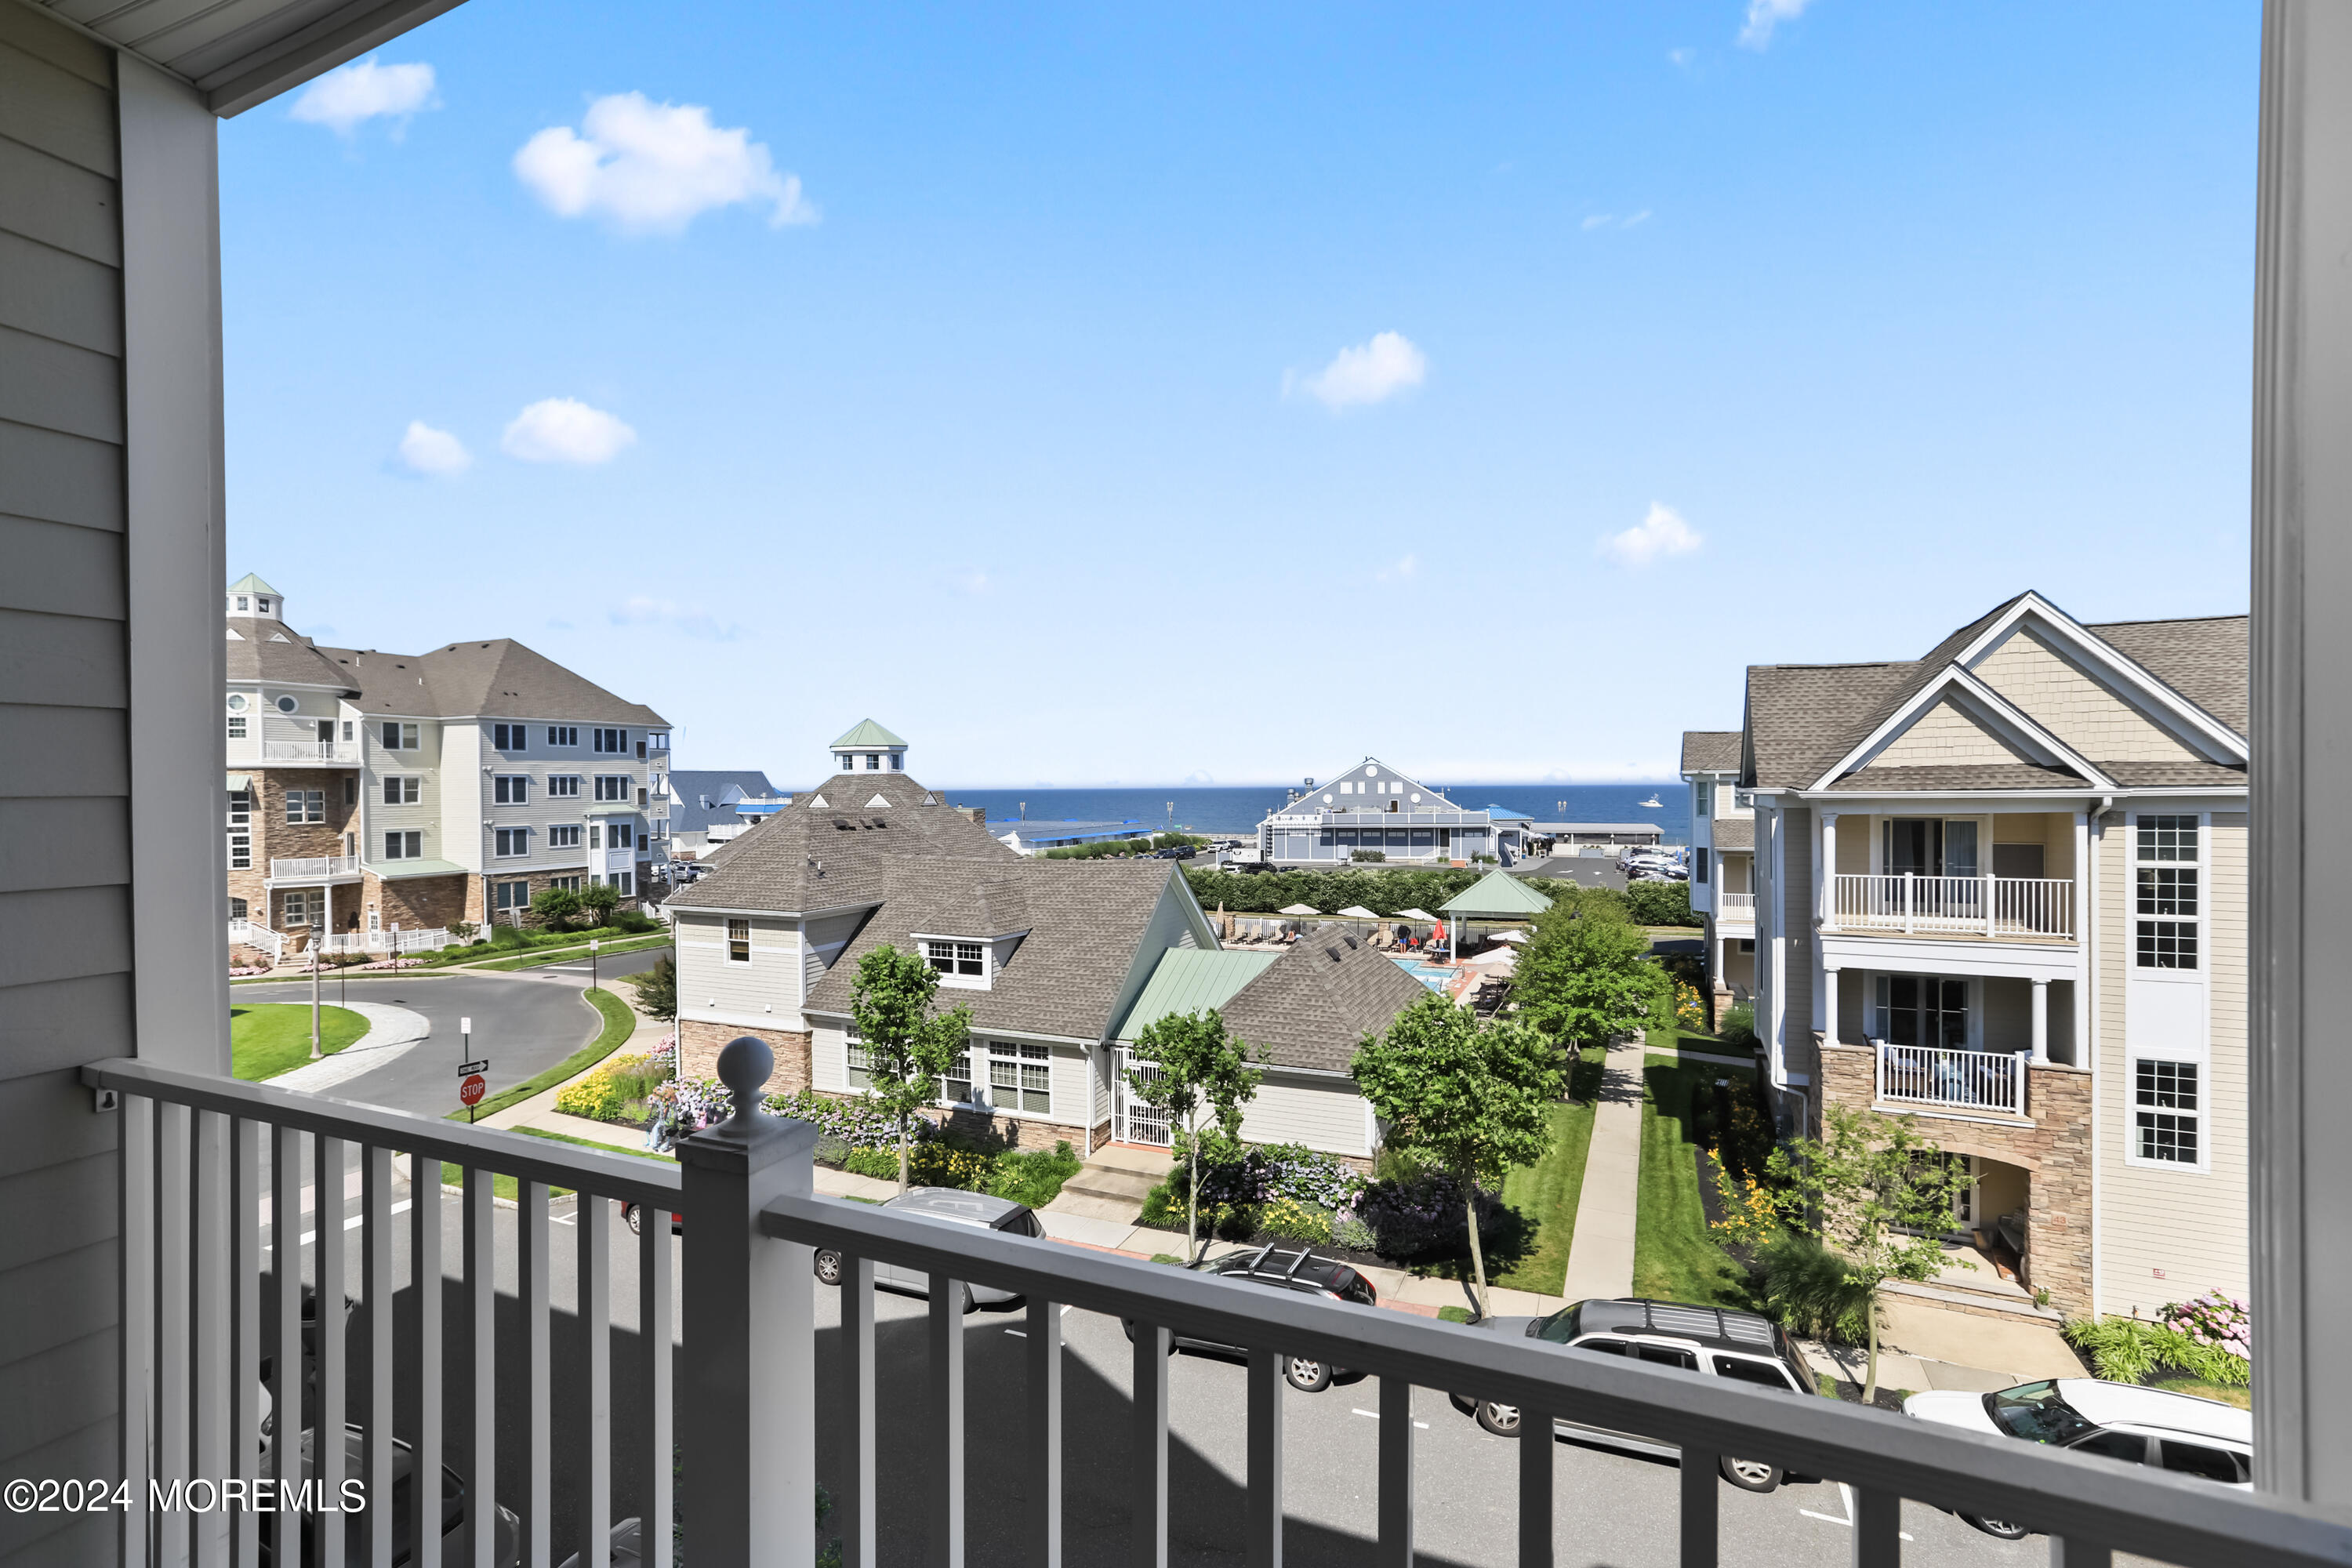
point(1283, 1268)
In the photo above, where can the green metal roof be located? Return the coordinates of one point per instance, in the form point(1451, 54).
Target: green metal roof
point(249, 583)
point(869, 733)
point(1188, 980)
point(1497, 894)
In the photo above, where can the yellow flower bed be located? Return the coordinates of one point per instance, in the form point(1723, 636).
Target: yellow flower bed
point(934, 1164)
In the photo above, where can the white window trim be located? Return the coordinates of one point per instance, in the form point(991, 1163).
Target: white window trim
point(510, 832)
point(985, 980)
point(514, 796)
point(2202, 1116)
point(2203, 867)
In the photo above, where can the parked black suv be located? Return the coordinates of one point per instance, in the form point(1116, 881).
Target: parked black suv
point(1283, 1268)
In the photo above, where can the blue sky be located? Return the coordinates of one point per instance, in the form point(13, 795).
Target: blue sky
point(1110, 395)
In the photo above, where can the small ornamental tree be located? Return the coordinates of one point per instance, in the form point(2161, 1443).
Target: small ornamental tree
point(1474, 1101)
point(1586, 975)
point(1200, 1067)
point(600, 898)
point(556, 907)
point(657, 987)
point(908, 1048)
point(1877, 1197)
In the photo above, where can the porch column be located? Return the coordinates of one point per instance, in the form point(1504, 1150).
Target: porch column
point(1829, 1004)
point(1714, 954)
point(2041, 1020)
point(327, 915)
point(1827, 890)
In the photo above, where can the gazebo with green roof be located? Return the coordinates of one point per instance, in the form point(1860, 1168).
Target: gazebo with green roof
point(1496, 896)
point(869, 748)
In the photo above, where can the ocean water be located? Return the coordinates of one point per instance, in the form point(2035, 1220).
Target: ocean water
point(1239, 810)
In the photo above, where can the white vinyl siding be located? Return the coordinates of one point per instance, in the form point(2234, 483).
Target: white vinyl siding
point(711, 986)
point(1326, 1114)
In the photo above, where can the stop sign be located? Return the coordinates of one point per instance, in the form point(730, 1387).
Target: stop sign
point(470, 1093)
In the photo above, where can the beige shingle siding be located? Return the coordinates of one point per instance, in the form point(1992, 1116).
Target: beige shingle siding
point(2191, 1224)
point(2064, 700)
point(65, 866)
point(1325, 1114)
point(1943, 737)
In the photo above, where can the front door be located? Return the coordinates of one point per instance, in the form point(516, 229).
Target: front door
point(1133, 1121)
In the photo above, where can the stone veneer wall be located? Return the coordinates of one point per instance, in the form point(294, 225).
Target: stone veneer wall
point(2055, 1152)
point(418, 903)
point(698, 1045)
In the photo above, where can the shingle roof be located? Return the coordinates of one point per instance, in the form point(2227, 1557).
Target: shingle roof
point(271, 651)
point(1710, 751)
point(693, 786)
point(499, 679)
point(1735, 833)
point(811, 856)
point(1086, 924)
point(1801, 717)
point(1314, 1004)
point(866, 732)
point(2156, 775)
point(2204, 660)
point(1967, 775)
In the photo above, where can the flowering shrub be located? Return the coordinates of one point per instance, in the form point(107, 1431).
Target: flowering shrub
point(1422, 1218)
point(1690, 1009)
point(693, 1103)
point(1262, 1175)
point(1290, 1219)
point(607, 1093)
point(1750, 1215)
point(2214, 1319)
point(856, 1123)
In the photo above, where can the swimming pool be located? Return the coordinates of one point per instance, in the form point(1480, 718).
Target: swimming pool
point(1432, 975)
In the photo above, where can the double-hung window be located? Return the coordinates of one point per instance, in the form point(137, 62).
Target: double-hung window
point(2167, 1112)
point(510, 895)
point(399, 737)
point(566, 785)
point(569, 884)
point(305, 805)
point(612, 742)
point(510, 789)
point(739, 941)
point(2169, 909)
point(236, 726)
point(1700, 858)
point(509, 737)
point(563, 734)
point(510, 842)
point(964, 958)
point(1021, 1078)
point(1703, 797)
point(613, 786)
point(400, 789)
point(857, 1065)
point(959, 1083)
point(563, 835)
point(404, 845)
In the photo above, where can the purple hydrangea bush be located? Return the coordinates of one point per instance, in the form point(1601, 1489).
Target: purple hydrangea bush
point(2214, 1319)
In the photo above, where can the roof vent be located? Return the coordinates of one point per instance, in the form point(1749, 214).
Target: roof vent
point(1332, 953)
point(843, 824)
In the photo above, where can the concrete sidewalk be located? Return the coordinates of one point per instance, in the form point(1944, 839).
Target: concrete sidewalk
point(1601, 1255)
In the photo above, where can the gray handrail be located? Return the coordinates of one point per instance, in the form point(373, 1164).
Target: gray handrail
point(2173, 1519)
point(623, 1176)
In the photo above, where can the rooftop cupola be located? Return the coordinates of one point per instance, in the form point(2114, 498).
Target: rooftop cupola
point(250, 598)
point(869, 748)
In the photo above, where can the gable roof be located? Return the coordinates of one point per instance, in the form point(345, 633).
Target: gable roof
point(866, 732)
point(2204, 660)
point(809, 857)
point(691, 787)
point(1497, 893)
point(501, 677)
point(1192, 980)
point(1313, 1006)
point(274, 651)
point(1735, 833)
point(1710, 751)
point(1085, 922)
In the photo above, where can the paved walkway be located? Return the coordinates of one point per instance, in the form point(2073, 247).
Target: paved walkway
point(1600, 1256)
point(393, 1033)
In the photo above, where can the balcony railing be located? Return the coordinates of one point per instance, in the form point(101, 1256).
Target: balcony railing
point(311, 867)
point(1959, 1080)
point(386, 941)
point(311, 751)
point(1993, 908)
point(745, 1401)
point(1737, 906)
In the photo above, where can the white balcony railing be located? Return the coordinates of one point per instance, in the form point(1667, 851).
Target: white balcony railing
point(1993, 908)
point(201, 1158)
point(313, 868)
point(1990, 1081)
point(1740, 907)
point(254, 934)
point(311, 751)
point(387, 941)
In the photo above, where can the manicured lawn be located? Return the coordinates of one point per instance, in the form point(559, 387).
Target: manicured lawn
point(271, 1038)
point(619, 1024)
point(2227, 1394)
point(1675, 1259)
point(569, 954)
point(1546, 1192)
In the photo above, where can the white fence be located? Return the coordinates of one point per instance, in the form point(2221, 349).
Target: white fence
point(309, 751)
point(1963, 1080)
point(1737, 906)
point(1990, 907)
point(304, 867)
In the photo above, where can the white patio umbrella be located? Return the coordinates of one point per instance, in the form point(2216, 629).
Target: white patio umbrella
point(1501, 960)
point(1513, 935)
point(1297, 909)
point(1424, 916)
point(1358, 913)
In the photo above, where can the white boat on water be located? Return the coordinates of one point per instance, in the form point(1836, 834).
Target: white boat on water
point(1652, 803)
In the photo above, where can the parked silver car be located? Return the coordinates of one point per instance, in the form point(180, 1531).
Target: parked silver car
point(957, 1207)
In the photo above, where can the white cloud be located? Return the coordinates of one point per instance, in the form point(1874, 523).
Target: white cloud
point(436, 452)
point(1682, 57)
point(1638, 219)
point(1599, 220)
point(654, 167)
point(1408, 567)
point(1370, 373)
point(364, 90)
point(974, 581)
point(1662, 532)
point(682, 620)
point(565, 430)
point(1763, 16)
point(1611, 220)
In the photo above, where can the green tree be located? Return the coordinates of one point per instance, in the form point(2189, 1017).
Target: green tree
point(1586, 973)
point(1200, 1067)
point(1473, 1102)
point(656, 987)
point(908, 1046)
point(558, 907)
point(1877, 1199)
point(600, 898)
point(1661, 903)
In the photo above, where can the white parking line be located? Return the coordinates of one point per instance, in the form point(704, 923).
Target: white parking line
point(1374, 1416)
point(1018, 1333)
point(1845, 1495)
point(354, 1222)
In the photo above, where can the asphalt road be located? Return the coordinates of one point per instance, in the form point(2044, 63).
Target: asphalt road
point(525, 1021)
point(1612, 1509)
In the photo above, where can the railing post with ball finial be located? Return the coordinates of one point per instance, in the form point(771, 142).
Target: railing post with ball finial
point(746, 1394)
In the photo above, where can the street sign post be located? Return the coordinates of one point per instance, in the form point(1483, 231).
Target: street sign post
point(470, 1093)
point(592, 964)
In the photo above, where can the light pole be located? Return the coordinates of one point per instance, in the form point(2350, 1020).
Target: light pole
point(314, 998)
point(592, 964)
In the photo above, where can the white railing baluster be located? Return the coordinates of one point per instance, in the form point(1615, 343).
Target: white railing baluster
point(211, 1333)
point(481, 1351)
point(1700, 1530)
point(1045, 1479)
point(174, 1295)
point(858, 1548)
point(1395, 1549)
point(286, 1347)
point(594, 1219)
point(425, 1222)
point(944, 1374)
point(1146, 1545)
point(1877, 1528)
point(1535, 1446)
point(1262, 1521)
point(655, 1326)
point(376, 1289)
point(245, 1327)
point(331, 1451)
point(530, 1296)
point(136, 1154)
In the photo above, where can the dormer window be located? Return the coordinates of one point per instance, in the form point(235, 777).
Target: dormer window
point(964, 960)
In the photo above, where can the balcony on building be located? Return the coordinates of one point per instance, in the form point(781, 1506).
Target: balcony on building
point(1967, 876)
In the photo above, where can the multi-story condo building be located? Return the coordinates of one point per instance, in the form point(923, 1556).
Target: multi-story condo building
point(1373, 809)
point(368, 790)
point(1723, 859)
point(2000, 891)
